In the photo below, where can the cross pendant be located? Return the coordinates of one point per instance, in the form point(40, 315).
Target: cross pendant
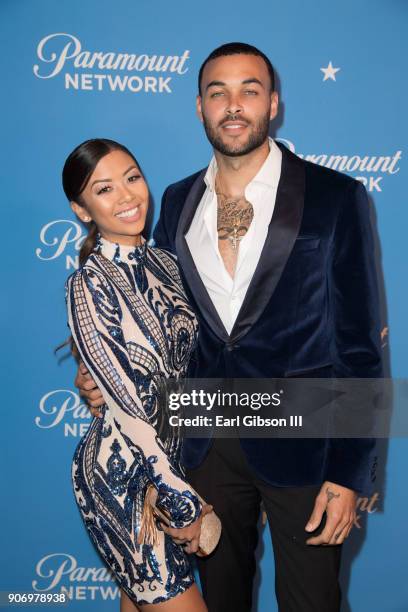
point(234, 238)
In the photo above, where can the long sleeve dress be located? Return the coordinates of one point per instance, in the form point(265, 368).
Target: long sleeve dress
point(133, 326)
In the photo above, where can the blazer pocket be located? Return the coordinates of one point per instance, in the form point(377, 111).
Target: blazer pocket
point(316, 372)
point(306, 243)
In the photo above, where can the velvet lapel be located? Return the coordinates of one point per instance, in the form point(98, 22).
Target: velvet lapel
point(282, 233)
point(187, 265)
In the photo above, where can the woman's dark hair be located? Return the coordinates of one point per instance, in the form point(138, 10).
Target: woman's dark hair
point(76, 173)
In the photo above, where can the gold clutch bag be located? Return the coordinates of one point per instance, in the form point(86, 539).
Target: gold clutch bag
point(148, 534)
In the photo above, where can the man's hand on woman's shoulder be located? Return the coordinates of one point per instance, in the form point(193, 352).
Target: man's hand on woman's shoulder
point(88, 389)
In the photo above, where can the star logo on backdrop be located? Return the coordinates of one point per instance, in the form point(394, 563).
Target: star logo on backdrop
point(329, 72)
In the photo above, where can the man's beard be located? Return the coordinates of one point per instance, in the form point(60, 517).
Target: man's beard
point(255, 139)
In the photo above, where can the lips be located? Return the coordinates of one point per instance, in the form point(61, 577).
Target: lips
point(234, 126)
point(130, 214)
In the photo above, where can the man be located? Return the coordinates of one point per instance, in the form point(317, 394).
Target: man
point(276, 256)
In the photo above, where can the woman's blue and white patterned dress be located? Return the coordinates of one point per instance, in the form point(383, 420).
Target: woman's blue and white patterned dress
point(133, 327)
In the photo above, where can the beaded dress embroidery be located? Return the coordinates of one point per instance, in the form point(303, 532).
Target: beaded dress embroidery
point(134, 329)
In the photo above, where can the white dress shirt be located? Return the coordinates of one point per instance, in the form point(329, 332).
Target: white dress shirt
point(226, 293)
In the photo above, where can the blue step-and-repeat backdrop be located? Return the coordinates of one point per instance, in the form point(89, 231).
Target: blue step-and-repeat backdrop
point(127, 70)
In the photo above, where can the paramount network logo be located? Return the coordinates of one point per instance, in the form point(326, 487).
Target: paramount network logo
point(62, 53)
point(370, 169)
point(62, 238)
point(63, 408)
point(60, 572)
point(56, 237)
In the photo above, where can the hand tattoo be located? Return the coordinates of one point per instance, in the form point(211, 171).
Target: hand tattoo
point(331, 495)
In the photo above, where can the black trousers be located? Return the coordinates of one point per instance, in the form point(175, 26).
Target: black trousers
point(306, 577)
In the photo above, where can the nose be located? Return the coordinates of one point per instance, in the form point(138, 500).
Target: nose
point(126, 196)
point(234, 105)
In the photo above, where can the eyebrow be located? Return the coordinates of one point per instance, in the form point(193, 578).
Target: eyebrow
point(253, 80)
point(245, 82)
point(106, 180)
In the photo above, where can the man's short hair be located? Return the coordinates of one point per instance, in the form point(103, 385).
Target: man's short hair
point(237, 48)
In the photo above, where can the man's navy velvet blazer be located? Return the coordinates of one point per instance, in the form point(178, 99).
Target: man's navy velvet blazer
point(311, 310)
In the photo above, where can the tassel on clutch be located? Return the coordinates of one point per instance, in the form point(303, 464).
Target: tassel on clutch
point(148, 534)
point(148, 529)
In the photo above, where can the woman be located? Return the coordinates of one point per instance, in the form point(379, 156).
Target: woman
point(133, 328)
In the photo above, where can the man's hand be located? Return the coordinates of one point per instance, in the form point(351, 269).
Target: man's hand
point(188, 536)
point(339, 503)
point(89, 390)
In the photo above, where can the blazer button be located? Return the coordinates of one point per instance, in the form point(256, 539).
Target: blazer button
point(232, 347)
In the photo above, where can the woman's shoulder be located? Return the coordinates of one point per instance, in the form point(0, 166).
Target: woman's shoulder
point(168, 261)
point(89, 272)
point(165, 254)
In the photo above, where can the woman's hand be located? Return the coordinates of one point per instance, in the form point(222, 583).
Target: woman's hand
point(188, 537)
point(88, 389)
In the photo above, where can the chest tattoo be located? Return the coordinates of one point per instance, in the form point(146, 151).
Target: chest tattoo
point(234, 216)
